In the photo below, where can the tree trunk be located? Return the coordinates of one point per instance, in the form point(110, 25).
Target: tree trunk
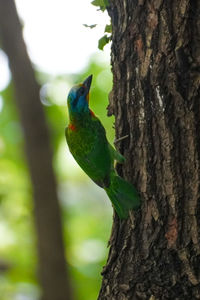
point(52, 266)
point(155, 57)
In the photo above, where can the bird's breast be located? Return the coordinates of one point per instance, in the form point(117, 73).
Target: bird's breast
point(80, 141)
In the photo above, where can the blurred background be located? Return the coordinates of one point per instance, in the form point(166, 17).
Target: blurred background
point(63, 52)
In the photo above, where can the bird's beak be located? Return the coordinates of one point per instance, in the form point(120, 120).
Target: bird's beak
point(87, 83)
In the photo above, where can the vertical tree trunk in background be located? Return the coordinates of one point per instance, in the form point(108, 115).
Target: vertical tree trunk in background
point(156, 101)
point(52, 266)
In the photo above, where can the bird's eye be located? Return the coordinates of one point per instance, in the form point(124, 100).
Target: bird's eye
point(81, 91)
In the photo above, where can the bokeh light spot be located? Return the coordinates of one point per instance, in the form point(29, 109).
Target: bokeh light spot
point(5, 72)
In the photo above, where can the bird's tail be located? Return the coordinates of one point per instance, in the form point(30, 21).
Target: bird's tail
point(123, 196)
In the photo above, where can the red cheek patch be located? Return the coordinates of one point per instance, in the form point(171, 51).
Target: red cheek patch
point(72, 127)
point(92, 114)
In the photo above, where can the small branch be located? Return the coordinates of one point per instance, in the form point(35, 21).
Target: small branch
point(121, 138)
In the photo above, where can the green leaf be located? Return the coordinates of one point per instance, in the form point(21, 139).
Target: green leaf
point(98, 3)
point(90, 26)
point(101, 3)
point(103, 41)
point(108, 28)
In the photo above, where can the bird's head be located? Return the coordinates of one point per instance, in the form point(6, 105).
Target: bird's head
point(78, 97)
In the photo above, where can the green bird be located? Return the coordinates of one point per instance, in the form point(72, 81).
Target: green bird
point(86, 138)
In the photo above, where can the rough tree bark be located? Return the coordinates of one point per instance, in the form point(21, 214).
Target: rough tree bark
point(155, 57)
point(52, 266)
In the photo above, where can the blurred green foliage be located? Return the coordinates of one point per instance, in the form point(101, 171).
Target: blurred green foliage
point(86, 211)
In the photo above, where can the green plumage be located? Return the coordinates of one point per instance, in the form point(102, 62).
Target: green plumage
point(88, 144)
